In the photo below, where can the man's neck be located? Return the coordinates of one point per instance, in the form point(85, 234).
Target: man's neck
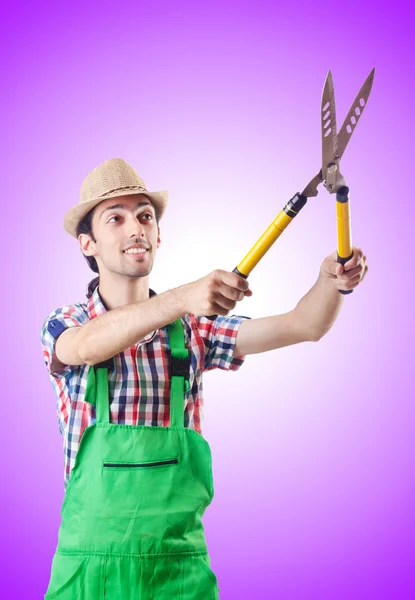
point(113, 296)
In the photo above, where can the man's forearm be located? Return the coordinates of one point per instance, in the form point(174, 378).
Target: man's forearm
point(114, 331)
point(320, 307)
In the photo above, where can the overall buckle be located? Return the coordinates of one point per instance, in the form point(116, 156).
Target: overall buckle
point(105, 364)
point(179, 367)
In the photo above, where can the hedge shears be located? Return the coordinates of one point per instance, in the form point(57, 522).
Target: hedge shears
point(333, 147)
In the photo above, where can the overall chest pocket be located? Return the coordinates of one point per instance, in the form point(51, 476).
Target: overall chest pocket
point(140, 465)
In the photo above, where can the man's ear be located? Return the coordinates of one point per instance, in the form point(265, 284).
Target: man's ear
point(86, 243)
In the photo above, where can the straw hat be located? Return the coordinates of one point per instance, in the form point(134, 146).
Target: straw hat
point(110, 179)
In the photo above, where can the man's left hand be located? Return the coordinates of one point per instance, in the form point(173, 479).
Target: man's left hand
point(350, 275)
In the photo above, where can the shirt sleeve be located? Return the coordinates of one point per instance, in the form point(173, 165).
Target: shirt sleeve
point(55, 323)
point(219, 337)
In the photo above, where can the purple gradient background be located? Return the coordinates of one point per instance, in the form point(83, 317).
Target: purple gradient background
point(313, 445)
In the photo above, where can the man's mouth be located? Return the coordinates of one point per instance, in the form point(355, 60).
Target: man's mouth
point(136, 251)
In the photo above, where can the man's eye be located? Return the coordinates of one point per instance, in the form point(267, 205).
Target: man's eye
point(115, 217)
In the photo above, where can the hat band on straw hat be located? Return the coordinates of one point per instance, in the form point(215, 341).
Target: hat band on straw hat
point(130, 187)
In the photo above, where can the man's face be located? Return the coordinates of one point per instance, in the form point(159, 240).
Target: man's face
point(117, 224)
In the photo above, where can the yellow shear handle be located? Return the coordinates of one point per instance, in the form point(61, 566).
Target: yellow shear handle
point(264, 243)
point(344, 230)
point(270, 235)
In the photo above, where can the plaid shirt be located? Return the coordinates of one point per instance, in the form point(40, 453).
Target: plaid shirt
point(139, 385)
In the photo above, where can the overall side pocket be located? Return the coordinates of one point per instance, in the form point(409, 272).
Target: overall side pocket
point(65, 570)
point(77, 576)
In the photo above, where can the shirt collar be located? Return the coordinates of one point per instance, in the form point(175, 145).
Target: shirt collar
point(96, 307)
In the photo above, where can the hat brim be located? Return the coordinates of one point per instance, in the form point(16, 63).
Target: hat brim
point(75, 214)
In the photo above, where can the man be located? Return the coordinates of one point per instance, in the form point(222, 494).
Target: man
point(127, 371)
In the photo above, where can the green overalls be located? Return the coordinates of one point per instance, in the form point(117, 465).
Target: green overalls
point(131, 524)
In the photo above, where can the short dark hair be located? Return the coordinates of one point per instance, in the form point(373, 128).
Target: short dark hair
point(85, 226)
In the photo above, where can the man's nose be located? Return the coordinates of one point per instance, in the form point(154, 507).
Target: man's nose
point(134, 227)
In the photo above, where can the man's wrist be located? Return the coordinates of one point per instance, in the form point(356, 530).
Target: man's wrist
point(181, 294)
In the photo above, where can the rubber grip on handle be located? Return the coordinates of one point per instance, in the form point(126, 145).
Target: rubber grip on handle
point(343, 261)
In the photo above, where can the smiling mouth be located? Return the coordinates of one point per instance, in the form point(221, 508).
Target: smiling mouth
point(135, 253)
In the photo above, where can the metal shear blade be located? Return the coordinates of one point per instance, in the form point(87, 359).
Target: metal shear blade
point(330, 166)
point(333, 145)
point(354, 114)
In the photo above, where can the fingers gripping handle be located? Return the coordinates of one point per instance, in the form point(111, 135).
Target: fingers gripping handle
point(343, 261)
point(344, 233)
point(235, 270)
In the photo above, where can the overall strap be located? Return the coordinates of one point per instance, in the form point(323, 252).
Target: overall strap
point(179, 369)
point(97, 391)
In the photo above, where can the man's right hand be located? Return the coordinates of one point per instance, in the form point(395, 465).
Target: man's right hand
point(215, 294)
